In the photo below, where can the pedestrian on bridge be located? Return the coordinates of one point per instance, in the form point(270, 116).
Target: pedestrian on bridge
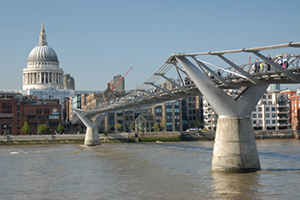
point(268, 65)
point(256, 66)
point(285, 61)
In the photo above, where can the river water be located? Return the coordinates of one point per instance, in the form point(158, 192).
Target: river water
point(179, 170)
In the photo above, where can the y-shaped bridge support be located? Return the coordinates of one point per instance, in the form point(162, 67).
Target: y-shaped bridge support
point(235, 146)
point(92, 133)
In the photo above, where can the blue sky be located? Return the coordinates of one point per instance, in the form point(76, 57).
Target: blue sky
point(95, 40)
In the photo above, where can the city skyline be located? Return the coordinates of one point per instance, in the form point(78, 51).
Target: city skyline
point(97, 40)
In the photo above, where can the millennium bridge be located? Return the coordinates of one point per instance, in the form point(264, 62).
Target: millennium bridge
point(235, 147)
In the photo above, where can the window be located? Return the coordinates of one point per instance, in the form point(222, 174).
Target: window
point(267, 109)
point(267, 121)
point(47, 111)
point(254, 121)
point(254, 116)
point(267, 115)
point(273, 114)
point(38, 111)
point(260, 115)
point(53, 117)
point(169, 110)
point(260, 121)
point(259, 109)
point(273, 109)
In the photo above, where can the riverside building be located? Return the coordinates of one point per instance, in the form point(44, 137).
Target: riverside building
point(16, 109)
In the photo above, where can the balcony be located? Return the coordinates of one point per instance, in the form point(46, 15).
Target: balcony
point(283, 124)
point(215, 119)
point(283, 118)
point(282, 105)
point(283, 111)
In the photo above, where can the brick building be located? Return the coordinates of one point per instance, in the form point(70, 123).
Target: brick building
point(16, 109)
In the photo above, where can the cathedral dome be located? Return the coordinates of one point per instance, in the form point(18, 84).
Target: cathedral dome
point(42, 67)
point(42, 53)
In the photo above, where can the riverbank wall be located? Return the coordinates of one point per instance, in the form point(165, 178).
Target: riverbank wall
point(137, 137)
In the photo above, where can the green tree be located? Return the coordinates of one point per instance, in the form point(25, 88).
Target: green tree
point(60, 128)
point(132, 126)
point(197, 123)
point(43, 128)
point(118, 127)
point(163, 124)
point(155, 127)
point(26, 129)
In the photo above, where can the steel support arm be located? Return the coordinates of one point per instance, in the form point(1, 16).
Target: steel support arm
point(245, 74)
point(172, 82)
point(162, 89)
point(150, 93)
point(210, 71)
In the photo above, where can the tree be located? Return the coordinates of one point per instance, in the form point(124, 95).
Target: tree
point(118, 127)
point(60, 128)
point(163, 124)
point(155, 127)
point(26, 129)
point(197, 123)
point(43, 128)
point(132, 126)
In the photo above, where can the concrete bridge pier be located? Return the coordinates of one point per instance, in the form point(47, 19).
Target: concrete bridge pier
point(235, 146)
point(92, 132)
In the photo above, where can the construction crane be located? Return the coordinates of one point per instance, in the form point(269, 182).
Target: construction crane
point(114, 87)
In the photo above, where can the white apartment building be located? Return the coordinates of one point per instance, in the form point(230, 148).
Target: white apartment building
point(271, 113)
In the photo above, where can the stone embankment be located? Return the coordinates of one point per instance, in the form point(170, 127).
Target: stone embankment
point(139, 137)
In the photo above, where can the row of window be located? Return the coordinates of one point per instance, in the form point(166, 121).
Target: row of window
point(267, 121)
point(35, 63)
point(46, 111)
point(267, 109)
point(265, 96)
point(260, 115)
point(39, 117)
point(6, 105)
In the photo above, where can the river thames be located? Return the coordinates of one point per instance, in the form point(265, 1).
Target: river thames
point(175, 170)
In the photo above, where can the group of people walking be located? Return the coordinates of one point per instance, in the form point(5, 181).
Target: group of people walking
point(265, 66)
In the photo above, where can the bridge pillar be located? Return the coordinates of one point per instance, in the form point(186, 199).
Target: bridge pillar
point(92, 132)
point(235, 146)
